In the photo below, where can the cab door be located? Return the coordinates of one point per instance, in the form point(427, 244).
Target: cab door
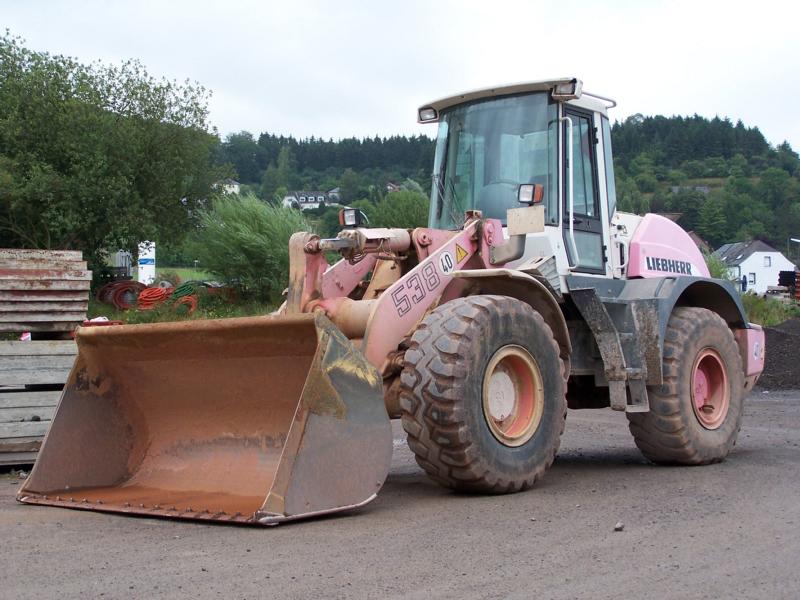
point(584, 239)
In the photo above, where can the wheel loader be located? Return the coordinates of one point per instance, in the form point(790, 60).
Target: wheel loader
point(527, 293)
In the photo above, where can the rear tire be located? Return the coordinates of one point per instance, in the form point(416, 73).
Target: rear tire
point(483, 395)
point(696, 414)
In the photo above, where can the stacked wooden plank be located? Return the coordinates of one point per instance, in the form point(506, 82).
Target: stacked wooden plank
point(42, 290)
point(31, 375)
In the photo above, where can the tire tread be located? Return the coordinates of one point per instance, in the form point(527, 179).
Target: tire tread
point(663, 434)
point(433, 416)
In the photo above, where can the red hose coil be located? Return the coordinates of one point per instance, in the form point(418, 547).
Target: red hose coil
point(151, 297)
point(190, 301)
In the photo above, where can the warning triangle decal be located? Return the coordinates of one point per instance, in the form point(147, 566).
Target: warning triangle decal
point(461, 254)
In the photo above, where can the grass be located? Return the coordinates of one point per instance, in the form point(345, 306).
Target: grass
point(185, 273)
point(769, 312)
point(209, 307)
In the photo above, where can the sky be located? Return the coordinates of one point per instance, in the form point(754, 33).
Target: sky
point(354, 68)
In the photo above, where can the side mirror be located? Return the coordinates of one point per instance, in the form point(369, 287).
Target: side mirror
point(530, 193)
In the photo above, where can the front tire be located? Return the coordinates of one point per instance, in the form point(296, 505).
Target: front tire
point(483, 395)
point(696, 414)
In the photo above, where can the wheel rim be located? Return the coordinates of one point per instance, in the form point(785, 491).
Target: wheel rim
point(710, 393)
point(513, 395)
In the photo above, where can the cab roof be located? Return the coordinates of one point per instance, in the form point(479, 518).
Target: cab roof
point(586, 100)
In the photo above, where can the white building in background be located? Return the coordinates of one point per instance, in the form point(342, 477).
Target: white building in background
point(755, 265)
point(307, 200)
point(230, 186)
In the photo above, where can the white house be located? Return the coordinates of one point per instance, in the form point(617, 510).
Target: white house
point(756, 263)
point(230, 186)
point(306, 200)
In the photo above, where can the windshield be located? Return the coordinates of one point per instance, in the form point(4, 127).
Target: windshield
point(486, 149)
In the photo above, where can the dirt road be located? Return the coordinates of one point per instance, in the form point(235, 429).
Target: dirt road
point(724, 531)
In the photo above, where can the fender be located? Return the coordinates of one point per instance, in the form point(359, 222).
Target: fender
point(716, 295)
point(524, 287)
point(666, 293)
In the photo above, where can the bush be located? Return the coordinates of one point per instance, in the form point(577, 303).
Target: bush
point(768, 312)
point(403, 209)
point(246, 242)
point(717, 268)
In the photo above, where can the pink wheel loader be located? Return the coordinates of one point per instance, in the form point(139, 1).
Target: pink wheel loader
point(528, 293)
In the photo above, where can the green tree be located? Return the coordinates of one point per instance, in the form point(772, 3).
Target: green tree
point(97, 157)
point(270, 183)
point(246, 242)
point(646, 182)
point(404, 209)
point(348, 185)
point(244, 154)
point(644, 205)
point(738, 167)
point(717, 267)
point(688, 203)
point(629, 198)
point(711, 222)
point(788, 159)
point(287, 169)
point(676, 177)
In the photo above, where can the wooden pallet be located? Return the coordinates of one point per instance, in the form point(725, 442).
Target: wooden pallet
point(25, 413)
point(42, 290)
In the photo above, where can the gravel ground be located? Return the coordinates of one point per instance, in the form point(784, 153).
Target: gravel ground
point(724, 531)
point(781, 368)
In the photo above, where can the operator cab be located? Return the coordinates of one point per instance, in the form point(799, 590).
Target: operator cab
point(549, 133)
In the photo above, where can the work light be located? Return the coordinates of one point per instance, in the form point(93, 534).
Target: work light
point(427, 114)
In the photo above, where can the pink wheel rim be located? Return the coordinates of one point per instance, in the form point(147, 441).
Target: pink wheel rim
point(513, 395)
point(710, 393)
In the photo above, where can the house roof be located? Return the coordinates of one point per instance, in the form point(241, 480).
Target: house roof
point(736, 253)
point(306, 193)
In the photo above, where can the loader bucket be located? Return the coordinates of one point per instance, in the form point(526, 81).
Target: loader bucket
point(253, 420)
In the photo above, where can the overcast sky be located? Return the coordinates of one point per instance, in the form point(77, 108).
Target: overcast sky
point(342, 68)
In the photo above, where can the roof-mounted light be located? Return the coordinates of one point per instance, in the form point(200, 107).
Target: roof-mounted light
point(427, 115)
point(569, 90)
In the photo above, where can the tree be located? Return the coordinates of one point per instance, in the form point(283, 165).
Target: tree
point(98, 157)
point(629, 198)
point(270, 183)
point(688, 203)
point(348, 185)
point(244, 154)
point(788, 159)
point(644, 205)
point(287, 168)
point(246, 242)
point(711, 225)
point(404, 209)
